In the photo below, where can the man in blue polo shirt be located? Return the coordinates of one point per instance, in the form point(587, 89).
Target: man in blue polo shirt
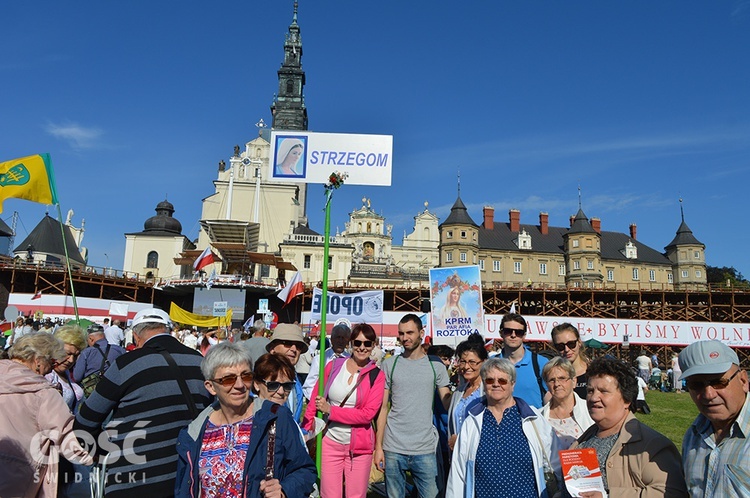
point(529, 384)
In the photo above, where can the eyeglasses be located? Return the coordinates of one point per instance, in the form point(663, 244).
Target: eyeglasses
point(558, 380)
point(720, 383)
point(231, 379)
point(359, 344)
point(491, 381)
point(507, 331)
point(274, 385)
point(471, 363)
point(570, 345)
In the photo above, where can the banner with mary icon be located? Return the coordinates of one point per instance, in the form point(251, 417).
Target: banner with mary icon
point(456, 297)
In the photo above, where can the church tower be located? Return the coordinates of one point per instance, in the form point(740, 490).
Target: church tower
point(288, 108)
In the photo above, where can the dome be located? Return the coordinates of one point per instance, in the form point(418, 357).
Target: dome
point(163, 221)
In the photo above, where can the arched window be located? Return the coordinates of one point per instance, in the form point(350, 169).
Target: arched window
point(152, 260)
point(289, 86)
point(426, 233)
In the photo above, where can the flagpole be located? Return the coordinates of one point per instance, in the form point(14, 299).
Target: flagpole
point(67, 263)
point(335, 181)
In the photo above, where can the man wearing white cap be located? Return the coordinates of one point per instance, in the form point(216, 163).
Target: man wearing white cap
point(151, 393)
point(715, 447)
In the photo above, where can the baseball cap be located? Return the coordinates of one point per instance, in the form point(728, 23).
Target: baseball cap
point(707, 357)
point(151, 315)
point(287, 332)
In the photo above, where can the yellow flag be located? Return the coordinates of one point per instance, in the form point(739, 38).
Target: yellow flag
point(29, 178)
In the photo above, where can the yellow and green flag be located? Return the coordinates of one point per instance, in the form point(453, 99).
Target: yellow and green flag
point(29, 178)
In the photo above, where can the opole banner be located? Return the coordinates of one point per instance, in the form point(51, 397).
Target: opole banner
point(308, 157)
point(359, 307)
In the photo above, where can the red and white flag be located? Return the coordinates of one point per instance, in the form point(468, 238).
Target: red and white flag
point(38, 295)
point(294, 288)
point(205, 259)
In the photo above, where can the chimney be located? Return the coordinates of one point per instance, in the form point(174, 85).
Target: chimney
point(572, 219)
point(515, 220)
point(544, 223)
point(489, 217)
point(633, 231)
point(596, 224)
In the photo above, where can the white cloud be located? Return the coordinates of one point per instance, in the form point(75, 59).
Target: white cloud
point(79, 137)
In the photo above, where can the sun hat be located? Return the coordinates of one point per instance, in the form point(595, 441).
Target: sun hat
point(287, 332)
point(151, 315)
point(707, 357)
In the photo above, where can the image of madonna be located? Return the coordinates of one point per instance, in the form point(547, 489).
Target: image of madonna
point(290, 150)
point(452, 307)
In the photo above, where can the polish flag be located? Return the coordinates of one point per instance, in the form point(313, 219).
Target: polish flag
point(294, 288)
point(205, 259)
point(38, 295)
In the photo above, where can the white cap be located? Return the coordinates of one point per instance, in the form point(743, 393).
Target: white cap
point(151, 315)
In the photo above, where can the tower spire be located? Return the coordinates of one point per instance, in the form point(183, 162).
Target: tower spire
point(459, 181)
point(288, 107)
point(579, 197)
point(682, 211)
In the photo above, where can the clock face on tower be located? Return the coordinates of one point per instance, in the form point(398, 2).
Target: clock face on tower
point(246, 161)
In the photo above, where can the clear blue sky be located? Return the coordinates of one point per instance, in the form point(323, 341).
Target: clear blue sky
point(640, 103)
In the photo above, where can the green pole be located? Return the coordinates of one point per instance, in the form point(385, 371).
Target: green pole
point(323, 313)
point(67, 264)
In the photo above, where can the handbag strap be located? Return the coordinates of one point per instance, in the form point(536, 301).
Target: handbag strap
point(181, 381)
point(271, 445)
point(346, 398)
point(541, 445)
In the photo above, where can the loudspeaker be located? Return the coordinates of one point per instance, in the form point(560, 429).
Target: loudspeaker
point(426, 307)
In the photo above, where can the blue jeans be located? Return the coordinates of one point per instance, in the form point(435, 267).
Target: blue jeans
point(424, 471)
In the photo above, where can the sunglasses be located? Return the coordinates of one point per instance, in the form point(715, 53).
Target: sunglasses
point(720, 383)
point(570, 345)
point(274, 385)
point(359, 344)
point(507, 331)
point(231, 379)
point(491, 381)
point(289, 344)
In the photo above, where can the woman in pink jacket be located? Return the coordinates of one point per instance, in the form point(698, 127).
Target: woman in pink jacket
point(352, 397)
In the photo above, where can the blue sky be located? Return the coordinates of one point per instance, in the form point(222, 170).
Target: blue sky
point(640, 103)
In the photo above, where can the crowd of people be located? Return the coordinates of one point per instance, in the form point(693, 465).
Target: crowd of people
point(161, 411)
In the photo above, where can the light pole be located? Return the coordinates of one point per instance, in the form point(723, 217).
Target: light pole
point(107, 265)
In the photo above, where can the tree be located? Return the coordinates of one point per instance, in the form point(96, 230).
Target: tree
point(724, 275)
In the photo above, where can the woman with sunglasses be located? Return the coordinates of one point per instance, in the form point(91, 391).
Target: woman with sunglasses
point(353, 393)
point(225, 450)
point(506, 447)
point(37, 426)
point(567, 341)
point(471, 355)
point(566, 412)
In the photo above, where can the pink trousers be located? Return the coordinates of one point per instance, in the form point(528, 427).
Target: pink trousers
point(338, 466)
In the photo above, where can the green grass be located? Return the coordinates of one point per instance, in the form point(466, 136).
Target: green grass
point(671, 414)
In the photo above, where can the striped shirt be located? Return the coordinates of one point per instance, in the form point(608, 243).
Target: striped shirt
point(148, 411)
point(721, 470)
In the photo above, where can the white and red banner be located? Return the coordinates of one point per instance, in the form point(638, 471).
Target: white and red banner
point(55, 305)
point(606, 330)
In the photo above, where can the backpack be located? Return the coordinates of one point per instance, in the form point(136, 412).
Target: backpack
point(90, 382)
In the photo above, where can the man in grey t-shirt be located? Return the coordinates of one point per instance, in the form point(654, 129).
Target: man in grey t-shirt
point(406, 438)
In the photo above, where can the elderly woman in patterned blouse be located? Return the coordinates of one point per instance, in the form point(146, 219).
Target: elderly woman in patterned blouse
point(505, 447)
point(225, 450)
